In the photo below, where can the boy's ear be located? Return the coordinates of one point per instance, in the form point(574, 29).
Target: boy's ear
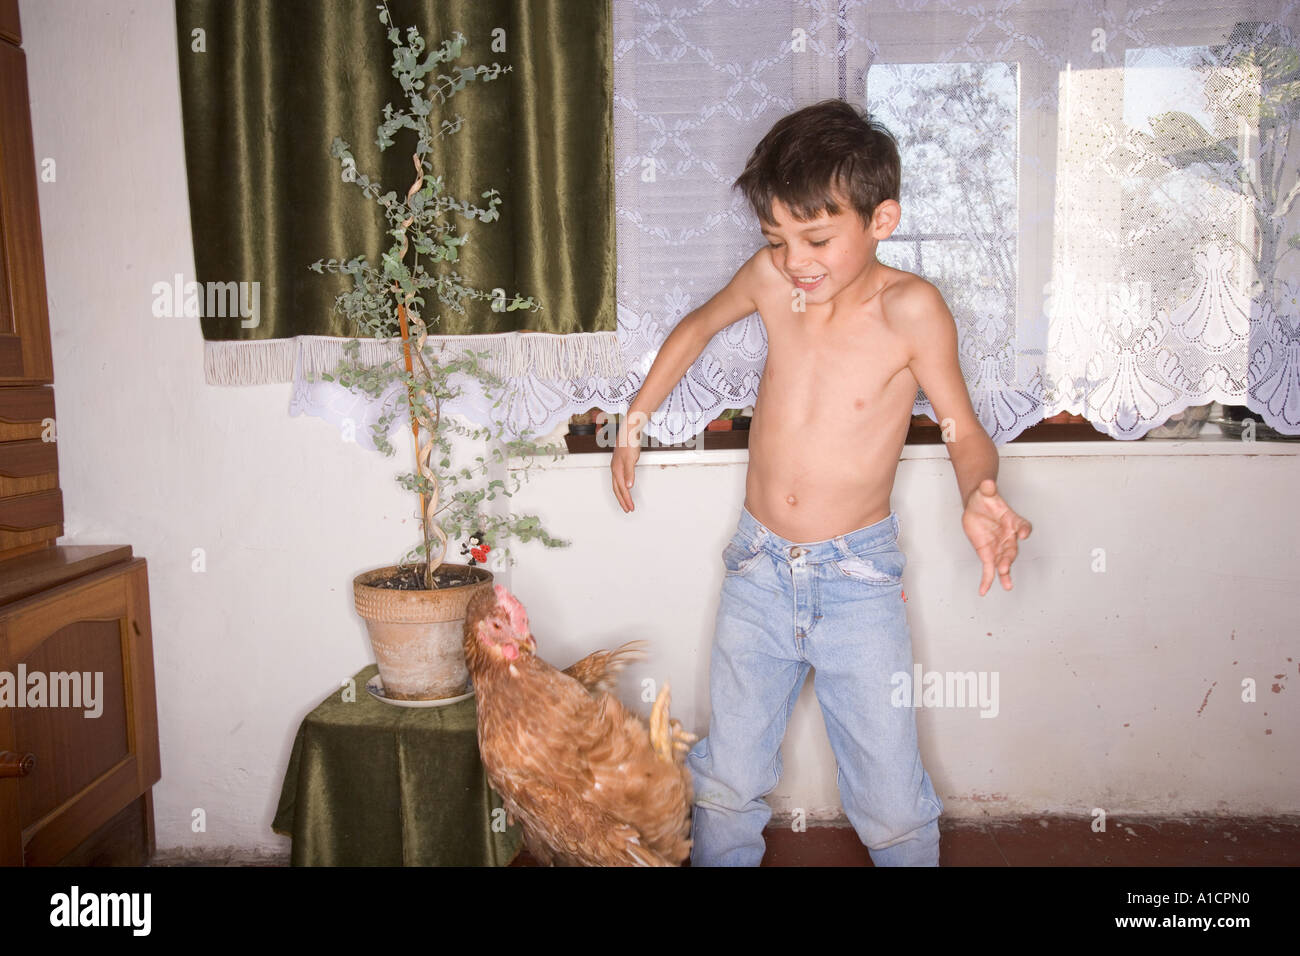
point(885, 219)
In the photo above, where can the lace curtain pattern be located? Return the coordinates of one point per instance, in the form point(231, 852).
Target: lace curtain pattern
point(1105, 193)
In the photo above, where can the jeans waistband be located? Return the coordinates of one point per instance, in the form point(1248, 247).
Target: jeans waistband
point(874, 537)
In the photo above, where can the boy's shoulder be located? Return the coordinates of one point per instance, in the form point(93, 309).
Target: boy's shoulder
point(908, 292)
point(757, 272)
point(915, 312)
point(913, 304)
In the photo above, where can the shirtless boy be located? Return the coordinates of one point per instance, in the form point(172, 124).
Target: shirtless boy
point(813, 575)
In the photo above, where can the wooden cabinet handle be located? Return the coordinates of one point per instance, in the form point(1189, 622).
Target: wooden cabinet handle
point(16, 765)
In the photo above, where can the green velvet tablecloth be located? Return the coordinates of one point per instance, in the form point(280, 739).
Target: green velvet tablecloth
point(373, 784)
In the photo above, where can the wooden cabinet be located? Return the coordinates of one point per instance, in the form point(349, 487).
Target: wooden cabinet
point(86, 730)
point(78, 717)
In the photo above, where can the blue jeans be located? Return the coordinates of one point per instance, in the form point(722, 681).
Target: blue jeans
point(836, 606)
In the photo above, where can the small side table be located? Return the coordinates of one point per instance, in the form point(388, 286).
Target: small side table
point(373, 784)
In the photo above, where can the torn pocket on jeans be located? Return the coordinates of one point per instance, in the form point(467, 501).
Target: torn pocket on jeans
point(882, 567)
point(738, 558)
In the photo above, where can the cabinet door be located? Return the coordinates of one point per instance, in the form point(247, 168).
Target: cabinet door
point(24, 315)
point(96, 752)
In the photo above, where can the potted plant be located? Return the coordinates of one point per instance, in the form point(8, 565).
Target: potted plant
point(415, 612)
point(584, 423)
point(607, 426)
point(722, 423)
point(1184, 424)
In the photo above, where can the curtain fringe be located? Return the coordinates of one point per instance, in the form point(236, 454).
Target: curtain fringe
point(512, 355)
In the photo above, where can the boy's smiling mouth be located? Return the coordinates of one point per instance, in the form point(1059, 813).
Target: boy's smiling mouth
point(809, 283)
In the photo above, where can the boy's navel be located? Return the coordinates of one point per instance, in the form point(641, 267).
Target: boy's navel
point(789, 499)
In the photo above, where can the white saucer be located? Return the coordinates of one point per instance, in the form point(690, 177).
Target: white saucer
point(375, 687)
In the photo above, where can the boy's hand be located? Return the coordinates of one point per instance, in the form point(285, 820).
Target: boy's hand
point(995, 531)
point(623, 464)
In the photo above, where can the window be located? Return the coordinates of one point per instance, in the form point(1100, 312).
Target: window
point(1104, 192)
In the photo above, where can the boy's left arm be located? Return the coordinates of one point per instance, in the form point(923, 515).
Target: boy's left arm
point(993, 528)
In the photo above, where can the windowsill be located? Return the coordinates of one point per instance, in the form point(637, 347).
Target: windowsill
point(1210, 442)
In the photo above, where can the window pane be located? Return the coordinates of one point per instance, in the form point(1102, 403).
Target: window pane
point(1182, 193)
point(957, 131)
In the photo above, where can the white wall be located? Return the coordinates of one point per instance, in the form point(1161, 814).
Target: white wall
point(1103, 677)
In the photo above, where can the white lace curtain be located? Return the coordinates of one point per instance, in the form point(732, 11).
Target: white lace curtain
point(1105, 192)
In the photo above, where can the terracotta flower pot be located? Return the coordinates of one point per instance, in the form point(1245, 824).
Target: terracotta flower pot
point(719, 425)
point(417, 634)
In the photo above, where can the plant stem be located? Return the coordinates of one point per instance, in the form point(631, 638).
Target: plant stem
point(415, 422)
point(422, 454)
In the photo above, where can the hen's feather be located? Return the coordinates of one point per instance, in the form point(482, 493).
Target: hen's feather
point(599, 670)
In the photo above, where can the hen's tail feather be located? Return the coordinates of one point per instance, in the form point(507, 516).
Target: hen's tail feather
point(599, 670)
point(682, 739)
point(659, 725)
point(670, 742)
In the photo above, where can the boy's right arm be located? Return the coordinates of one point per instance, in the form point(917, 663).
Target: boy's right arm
point(680, 349)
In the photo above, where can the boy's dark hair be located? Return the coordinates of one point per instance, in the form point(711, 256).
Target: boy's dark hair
point(824, 148)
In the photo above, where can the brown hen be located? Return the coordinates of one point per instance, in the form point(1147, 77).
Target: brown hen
point(588, 783)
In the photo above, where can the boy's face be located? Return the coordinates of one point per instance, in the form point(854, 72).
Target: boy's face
point(827, 255)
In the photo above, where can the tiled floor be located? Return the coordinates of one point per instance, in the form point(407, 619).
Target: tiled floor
point(1062, 841)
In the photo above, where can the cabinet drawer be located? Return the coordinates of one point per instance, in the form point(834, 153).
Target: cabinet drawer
point(27, 467)
point(31, 507)
point(9, 29)
point(28, 521)
point(24, 410)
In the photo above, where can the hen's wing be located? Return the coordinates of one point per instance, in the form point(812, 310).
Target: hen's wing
point(599, 671)
point(574, 832)
point(637, 782)
point(536, 728)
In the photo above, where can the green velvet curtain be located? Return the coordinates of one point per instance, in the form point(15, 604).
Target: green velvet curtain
point(267, 84)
